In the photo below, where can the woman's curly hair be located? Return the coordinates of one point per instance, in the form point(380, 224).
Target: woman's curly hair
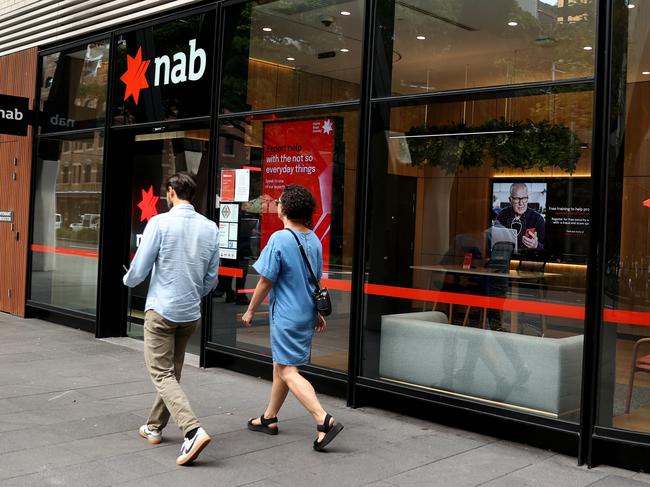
point(298, 204)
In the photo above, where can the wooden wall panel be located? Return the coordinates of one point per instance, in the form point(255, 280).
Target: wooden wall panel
point(18, 79)
point(637, 135)
point(635, 218)
point(273, 85)
point(287, 90)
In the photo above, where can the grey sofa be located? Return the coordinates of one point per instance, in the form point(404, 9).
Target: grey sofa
point(531, 372)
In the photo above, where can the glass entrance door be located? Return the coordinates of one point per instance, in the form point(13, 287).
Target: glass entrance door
point(155, 157)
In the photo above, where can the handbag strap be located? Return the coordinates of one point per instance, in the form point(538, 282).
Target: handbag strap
point(304, 257)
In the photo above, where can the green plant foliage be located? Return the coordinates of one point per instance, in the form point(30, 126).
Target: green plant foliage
point(530, 145)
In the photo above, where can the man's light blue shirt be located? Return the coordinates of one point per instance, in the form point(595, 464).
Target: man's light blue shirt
point(181, 250)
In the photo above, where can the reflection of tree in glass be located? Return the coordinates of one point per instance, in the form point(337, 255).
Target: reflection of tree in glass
point(234, 92)
point(527, 145)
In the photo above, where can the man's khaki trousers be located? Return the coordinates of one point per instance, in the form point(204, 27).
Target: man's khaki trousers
point(164, 352)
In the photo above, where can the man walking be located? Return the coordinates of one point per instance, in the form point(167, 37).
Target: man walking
point(180, 249)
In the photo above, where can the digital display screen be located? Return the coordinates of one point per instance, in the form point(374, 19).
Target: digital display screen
point(549, 217)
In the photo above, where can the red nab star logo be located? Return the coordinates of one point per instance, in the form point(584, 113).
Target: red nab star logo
point(148, 204)
point(134, 78)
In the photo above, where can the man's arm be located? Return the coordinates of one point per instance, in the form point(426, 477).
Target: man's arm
point(212, 275)
point(145, 256)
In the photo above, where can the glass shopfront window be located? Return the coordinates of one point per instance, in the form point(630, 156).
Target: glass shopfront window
point(73, 90)
point(259, 156)
point(427, 46)
point(279, 54)
point(625, 335)
point(67, 209)
point(479, 214)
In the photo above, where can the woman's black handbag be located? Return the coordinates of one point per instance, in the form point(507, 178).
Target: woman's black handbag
point(321, 295)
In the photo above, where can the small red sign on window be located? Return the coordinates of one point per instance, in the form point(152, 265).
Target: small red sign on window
point(227, 185)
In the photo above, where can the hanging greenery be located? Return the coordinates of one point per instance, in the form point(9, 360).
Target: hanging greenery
point(520, 145)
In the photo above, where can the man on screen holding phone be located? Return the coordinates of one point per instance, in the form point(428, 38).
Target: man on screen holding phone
point(180, 249)
point(528, 224)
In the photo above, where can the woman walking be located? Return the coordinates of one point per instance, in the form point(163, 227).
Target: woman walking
point(293, 317)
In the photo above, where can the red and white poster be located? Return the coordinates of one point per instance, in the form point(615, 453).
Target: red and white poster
point(299, 152)
point(227, 185)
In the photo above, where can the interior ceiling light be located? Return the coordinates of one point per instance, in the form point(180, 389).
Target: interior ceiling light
point(344, 50)
point(420, 38)
point(267, 29)
point(587, 48)
point(513, 23)
point(291, 59)
point(345, 12)
point(630, 5)
point(645, 72)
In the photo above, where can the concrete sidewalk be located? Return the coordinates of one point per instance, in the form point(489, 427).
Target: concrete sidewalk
point(70, 407)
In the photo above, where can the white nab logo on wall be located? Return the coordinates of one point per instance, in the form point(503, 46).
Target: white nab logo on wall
point(15, 115)
point(10, 114)
point(181, 70)
point(177, 68)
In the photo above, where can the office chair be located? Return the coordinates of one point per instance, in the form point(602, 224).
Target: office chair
point(638, 365)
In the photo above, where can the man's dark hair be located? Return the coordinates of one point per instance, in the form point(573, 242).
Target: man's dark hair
point(184, 185)
point(298, 204)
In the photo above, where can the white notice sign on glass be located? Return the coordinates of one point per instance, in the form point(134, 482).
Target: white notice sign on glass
point(242, 184)
point(227, 253)
point(232, 232)
point(229, 212)
point(224, 229)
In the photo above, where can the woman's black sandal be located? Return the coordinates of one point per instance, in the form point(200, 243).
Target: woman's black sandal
point(330, 430)
point(264, 426)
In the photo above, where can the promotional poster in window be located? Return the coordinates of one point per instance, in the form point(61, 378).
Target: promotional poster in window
point(545, 218)
point(299, 152)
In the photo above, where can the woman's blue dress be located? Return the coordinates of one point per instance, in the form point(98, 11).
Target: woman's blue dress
point(291, 308)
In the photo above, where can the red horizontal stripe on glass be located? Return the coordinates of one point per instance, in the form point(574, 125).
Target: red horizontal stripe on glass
point(506, 304)
point(616, 316)
point(90, 254)
point(641, 318)
point(231, 272)
point(252, 168)
point(337, 284)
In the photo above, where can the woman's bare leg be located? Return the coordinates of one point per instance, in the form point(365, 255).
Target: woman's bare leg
point(304, 392)
point(279, 391)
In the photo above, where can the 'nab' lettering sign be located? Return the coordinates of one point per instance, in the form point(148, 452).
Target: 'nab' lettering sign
point(178, 68)
point(14, 111)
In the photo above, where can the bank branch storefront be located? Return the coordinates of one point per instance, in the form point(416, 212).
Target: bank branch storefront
point(482, 185)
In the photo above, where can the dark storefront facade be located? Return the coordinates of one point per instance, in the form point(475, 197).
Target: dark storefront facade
point(483, 203)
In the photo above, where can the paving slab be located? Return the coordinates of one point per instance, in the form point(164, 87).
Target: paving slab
point(618, 481)
point(70, 407)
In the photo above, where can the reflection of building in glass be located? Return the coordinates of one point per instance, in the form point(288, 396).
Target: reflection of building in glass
point(574, 10)
point(73, 90)
point(79, 181)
